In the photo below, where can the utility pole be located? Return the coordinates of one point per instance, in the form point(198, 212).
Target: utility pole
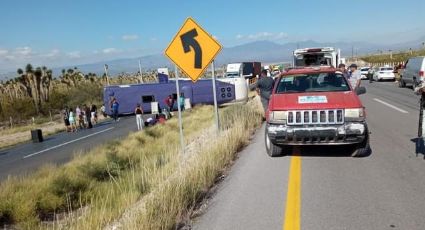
point(391, 54)
point(106, 74)
point(140, 71)
point(352, 52)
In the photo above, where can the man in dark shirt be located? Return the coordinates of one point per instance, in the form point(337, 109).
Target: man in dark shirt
point(264, 87)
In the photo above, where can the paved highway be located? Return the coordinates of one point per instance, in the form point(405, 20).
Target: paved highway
point(325, 188)
point(59, 148)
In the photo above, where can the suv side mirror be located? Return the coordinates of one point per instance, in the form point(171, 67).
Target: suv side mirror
point(360, 90)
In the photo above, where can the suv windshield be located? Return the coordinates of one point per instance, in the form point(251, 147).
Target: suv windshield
point(318, 82)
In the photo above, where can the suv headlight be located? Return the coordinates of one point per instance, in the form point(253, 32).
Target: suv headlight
point(278, 117)
point(357, 114)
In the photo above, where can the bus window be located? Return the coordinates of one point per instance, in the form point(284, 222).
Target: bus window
point(148, 98)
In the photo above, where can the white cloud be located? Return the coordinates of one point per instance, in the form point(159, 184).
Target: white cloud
point(53, 53)
point(154, 39)
point(110, 50)
point(24, 51)
point(3, 52)
point(263, 36)
point(9, 57)
point(130, 37)
point(74, 54)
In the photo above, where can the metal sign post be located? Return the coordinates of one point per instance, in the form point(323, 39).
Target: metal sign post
point(217, 121)
point(179, 109)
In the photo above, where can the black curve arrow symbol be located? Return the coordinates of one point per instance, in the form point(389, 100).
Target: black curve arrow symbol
point(188, 40)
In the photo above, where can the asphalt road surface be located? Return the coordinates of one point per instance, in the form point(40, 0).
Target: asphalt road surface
point(325, 188)
point(60, 148)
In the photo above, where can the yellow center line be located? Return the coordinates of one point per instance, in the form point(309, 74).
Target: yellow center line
point(293, 199)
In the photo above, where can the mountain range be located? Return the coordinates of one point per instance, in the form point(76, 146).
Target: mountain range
point(264, 51)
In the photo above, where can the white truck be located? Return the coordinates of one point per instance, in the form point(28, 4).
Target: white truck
point(322, 56)
point(241, 75)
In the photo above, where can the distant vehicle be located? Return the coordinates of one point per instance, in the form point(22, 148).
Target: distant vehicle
point(163, 71)
point(241, 75)
point(128, 96)
point(364, 72)
point(413, 72)
point(384, 73)
point(323, 56)
point(315, 106)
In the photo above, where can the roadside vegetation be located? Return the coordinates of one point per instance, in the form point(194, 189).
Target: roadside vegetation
point(395, 57)
point(141, 182)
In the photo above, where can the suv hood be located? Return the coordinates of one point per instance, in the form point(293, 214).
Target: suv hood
point(315, 100)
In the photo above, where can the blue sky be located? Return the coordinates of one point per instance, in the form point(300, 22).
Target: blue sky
point(55, 33)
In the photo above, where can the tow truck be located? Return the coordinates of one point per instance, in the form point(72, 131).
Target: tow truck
point(315, 106)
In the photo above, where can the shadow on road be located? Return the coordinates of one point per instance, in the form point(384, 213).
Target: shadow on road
point(324, 151)
point(419, 146)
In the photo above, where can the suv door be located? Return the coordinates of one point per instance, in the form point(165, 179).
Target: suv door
point(407, 76)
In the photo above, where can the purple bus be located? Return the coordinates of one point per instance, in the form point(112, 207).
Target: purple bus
point(201, 92)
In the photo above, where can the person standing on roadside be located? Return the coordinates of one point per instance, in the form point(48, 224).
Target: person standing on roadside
point(103, 111)
point(264, 87)
point(88, 114)
point(181, 102)
point(65, 117)
point(114, 109)
point(77, 115)
point(343, 70)
point(72, 120)
point(169, 102)
point(370, 74)
point(93, 112)
point(354, 76)
point(139, 119)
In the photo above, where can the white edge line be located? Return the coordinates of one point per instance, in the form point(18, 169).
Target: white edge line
point(391, 106)
point(69, 142)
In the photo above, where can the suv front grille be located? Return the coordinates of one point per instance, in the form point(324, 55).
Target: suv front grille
point(312, 117)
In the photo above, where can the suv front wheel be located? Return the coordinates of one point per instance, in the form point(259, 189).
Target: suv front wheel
point(363, 149)
point(272, 149)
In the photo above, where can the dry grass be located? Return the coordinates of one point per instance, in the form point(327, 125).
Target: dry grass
point(95, 189)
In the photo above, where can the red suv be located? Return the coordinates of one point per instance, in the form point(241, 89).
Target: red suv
point(315, 106)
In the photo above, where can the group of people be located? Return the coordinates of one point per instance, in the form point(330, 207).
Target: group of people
point(169, 102)
point(81, 118)
point(158, 118)
point(352, 74)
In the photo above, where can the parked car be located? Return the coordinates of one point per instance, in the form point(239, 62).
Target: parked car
point(413, 72)
point(364, 71)
point(315, 106)
point(384, 73)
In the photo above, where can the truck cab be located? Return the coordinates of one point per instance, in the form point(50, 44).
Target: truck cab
point(315, 106)
point(322, 56)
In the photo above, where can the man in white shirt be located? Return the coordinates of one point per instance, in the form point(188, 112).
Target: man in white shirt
point(354, 76)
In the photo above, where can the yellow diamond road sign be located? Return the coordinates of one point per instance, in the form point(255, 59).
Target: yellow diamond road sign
point(192, 49)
